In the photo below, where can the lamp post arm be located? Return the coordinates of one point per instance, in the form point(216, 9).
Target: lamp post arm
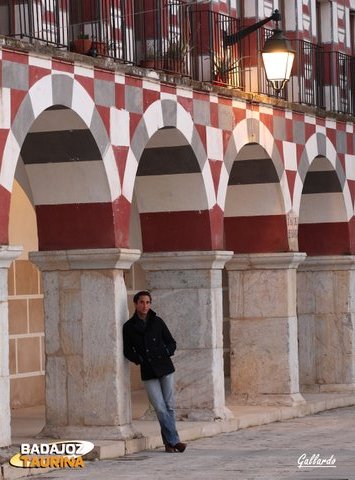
point(236, 37)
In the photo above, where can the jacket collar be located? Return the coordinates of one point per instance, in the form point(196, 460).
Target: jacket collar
point(138, 321)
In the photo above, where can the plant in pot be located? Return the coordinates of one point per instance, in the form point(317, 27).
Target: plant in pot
point(100, 48)
point(223, 69)
point(82, 44)
point(151, 58)
point(175, 55)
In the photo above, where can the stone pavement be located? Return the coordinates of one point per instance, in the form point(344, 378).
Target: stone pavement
point(27, 423)
point(268, 452)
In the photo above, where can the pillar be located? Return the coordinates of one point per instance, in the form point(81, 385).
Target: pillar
point(187, 293)
point(7, 255)
point(326, 297)
point(263, 328)
point(87, 377)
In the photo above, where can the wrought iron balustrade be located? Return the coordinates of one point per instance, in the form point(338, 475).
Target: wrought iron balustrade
point(183, 39)
point(339, 82)
point(163, 35)
point(42, 20)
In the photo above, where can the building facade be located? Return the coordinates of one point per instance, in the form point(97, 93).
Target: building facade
point(158, 157)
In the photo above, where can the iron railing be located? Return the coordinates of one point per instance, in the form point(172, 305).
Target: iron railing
point(339, 82)
point(212, 61)
point(108, 24)
point(45, 20)
point(183, 39)
point(163, 35)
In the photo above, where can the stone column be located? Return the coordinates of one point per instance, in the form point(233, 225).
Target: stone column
point(326, 314)
point(87, 377)
point(187, 293)
point(7, 255)
point(263, 328)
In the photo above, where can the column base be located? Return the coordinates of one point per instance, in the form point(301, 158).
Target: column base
point(203, 415)
point(288, 400)
point(90, 433)
point(329, 388)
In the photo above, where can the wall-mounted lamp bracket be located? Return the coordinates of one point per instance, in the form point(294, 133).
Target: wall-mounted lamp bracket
point(229, 40)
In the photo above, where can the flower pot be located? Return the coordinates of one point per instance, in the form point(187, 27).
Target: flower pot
point(100, 47)
point(220, 80)
point(82, 45)
point(175, 65)
point(153, 64)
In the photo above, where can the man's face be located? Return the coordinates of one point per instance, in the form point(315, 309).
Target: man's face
point(143, 305)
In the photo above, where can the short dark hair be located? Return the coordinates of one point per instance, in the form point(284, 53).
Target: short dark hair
point(142, 293)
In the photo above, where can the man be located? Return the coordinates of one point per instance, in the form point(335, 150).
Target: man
point(148, 342)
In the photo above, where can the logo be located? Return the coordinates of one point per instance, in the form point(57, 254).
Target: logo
point(52, 455)
point(316, 461)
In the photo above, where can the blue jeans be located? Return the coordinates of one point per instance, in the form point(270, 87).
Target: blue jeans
point(161, 395)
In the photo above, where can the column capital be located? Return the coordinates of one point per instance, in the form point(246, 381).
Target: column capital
point(88, 259)
point(9, 253)
point(266, 261)
point(329, 262)
point(201, 260)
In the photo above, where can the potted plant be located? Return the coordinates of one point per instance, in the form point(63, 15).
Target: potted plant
point(222, 68)
point(151, 58)
point(82, 44)
point(100, 48)
point(175, 55)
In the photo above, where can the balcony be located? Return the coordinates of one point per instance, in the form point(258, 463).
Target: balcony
point(180, 39)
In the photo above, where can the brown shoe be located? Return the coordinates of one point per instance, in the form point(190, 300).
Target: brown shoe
point(180, 447)
point(169, 449)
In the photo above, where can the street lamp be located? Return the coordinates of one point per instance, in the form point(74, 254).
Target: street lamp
point(278, 59)
point(277, 53)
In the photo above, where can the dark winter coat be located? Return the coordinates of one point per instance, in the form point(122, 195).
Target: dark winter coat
point(150, 344)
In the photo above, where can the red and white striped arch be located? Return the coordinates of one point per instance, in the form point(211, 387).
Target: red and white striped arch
point(242, 135)
point(68, 215)
point(319, 144)
point(154, 118)
point(254, 211)
point(176, 211)
point(324, 207)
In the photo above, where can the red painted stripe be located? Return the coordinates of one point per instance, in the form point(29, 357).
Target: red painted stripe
point(352, 235)
point(4, 133)
point(217, 234)
point(104, 75)
point(263, 234)
point(324, 238)
point(63, 66)
point(17, 97)
point(84, 225)
point(36, 73)
point(87, 83)
point(105, 116)
point(122, 213)
point(17, 57)
point(175, 231)
point(5, 198)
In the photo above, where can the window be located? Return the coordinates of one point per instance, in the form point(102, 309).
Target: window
point(352, 32)
point(319, 23)
point(84, 11)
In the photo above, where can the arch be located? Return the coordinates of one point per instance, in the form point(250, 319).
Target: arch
point(57, 89)
point(253, 170)
point(322, 200)
point(51, 93)
point(178, 200)
point(166, 113)
point(319, 145)
point(252, 131)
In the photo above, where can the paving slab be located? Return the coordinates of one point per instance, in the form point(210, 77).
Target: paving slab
point(267, 452)
point(27, 423)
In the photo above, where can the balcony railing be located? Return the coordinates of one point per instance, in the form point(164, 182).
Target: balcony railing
point(181, 39)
